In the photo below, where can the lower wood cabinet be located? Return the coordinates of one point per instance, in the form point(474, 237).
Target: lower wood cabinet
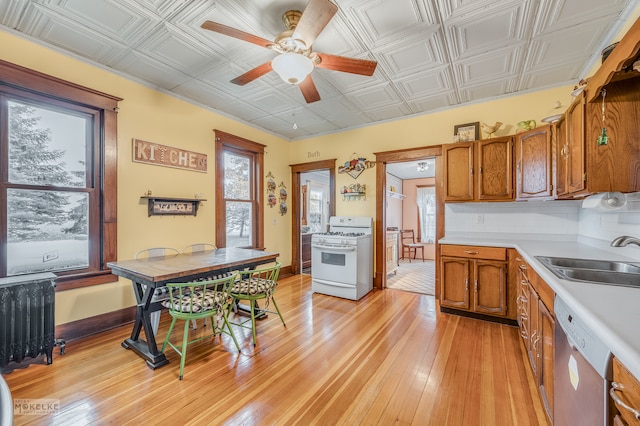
point(474, 279)
point(625, 396)
point(536, 321)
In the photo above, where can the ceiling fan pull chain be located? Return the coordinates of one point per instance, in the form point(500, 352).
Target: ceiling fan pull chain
point(603, 139)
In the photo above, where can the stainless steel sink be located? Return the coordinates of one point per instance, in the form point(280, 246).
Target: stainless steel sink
point(601, 265)
point(594, 271)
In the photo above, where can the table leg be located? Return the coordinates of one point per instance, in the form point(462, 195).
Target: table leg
point(148, 350)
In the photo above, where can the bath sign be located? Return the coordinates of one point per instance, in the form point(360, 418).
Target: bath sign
point(163, 155)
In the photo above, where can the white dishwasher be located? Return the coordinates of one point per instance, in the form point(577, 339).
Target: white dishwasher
point(583, 370)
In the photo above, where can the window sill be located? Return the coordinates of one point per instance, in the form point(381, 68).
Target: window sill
point(70, 282)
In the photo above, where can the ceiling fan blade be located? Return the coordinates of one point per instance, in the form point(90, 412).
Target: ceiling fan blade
point(350, 65)
point(251, 75)
point(309, 90)
point(235, 33)
point(315, 17)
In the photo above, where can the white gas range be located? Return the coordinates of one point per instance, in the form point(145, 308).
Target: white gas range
point(342, 258)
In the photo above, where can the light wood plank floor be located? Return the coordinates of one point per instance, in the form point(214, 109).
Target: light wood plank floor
point(390, 358)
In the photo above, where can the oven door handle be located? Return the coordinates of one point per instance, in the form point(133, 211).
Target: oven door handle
point(336, 248)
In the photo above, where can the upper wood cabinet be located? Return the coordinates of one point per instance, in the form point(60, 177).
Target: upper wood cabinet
point(570, 150)
point(534, 161)
point(616, 165)
point(479, 171)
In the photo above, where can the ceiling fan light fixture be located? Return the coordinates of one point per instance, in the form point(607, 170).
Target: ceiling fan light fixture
point(423, 167)
point(293, 68)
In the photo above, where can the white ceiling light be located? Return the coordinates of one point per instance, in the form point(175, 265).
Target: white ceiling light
point(423, 167)
point(293, 68)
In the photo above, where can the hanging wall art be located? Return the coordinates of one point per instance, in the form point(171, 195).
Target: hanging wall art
point(355, 166)
point(271, 190)
point(283, 199)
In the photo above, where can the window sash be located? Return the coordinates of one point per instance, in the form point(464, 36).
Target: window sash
point(230, 145)
point(101, 183)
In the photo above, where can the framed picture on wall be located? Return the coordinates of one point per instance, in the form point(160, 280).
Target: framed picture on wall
point(467, 132)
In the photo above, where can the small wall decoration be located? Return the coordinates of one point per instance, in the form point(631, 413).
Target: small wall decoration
point(355, 191)
point(526, 125)
point(271, 189)
point(355, 166)
point(467, 132)
point(171, 205)
point(283, 199)
point(163, 155)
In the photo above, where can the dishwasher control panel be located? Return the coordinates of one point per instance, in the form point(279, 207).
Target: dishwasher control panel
point(582, 339)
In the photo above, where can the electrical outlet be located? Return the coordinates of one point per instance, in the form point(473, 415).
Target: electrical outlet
point(274, 221)
point(479, 218)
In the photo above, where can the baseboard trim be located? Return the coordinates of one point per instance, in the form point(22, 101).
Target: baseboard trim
point(483, 317)
point(86, 327)
point(285, 271)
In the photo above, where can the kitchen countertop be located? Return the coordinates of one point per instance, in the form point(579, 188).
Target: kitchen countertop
point(611, 312)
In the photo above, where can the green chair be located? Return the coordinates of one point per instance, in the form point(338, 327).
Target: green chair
point(253, 285)
point(199, 300)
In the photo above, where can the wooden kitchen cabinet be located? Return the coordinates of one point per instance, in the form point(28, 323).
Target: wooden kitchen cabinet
point(570, 150)
point(537, 321)
point(627, 391)
point(392, 252)
point(534, 164)
point(544, 354)
point(474, 279)
point(479, 171)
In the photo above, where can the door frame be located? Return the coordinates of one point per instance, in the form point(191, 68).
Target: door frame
point(296, 170)
point(399, 156)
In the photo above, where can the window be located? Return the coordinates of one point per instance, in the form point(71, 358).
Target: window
point(57, 155)
point(239, 199)
point(426, 199)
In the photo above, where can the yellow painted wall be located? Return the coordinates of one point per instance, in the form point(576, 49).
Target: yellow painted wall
point(419, 131)
point(154, 116)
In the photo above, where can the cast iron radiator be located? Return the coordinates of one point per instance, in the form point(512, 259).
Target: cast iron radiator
point(27, 322)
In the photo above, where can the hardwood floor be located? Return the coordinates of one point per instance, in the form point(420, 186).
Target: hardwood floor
point(390, 358)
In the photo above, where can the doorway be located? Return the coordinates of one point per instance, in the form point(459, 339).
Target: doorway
point(395, 160)
point(411, 221)
point(314, 207)
point(321, 177)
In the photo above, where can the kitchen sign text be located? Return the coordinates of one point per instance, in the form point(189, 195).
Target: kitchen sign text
point(162, 155)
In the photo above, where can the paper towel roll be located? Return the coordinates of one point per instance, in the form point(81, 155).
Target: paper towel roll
point(605, 201)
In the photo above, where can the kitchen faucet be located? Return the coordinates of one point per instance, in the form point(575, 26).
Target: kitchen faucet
point(624, 240)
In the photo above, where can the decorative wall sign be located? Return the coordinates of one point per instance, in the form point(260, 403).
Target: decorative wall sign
point(355, 166)
point(172, 206)
point(283, 199)
point(271, 189)
point(163, 155)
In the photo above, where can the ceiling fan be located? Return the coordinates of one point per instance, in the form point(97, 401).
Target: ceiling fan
point(296, 59)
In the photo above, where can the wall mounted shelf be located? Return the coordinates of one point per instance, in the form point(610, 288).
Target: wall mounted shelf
point(159, 206)
point(393, 194)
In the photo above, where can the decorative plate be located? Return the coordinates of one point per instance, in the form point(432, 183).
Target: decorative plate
point(552, 118)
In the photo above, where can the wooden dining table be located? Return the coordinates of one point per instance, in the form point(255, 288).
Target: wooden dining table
point(149, 273)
